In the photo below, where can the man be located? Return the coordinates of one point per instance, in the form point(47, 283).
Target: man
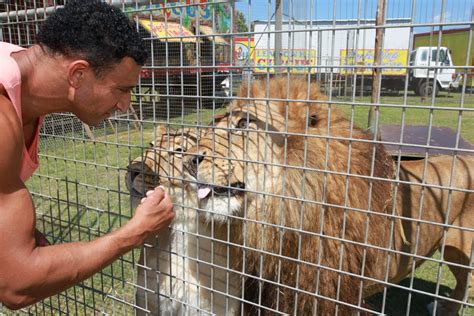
point(87, 60)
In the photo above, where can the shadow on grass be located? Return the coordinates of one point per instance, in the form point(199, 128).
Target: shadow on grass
point(396, 301)
point(69, 221)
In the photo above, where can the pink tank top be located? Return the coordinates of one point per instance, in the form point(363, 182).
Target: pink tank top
point(10, 78)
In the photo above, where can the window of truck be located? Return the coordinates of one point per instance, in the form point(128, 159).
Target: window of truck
point(424, 55)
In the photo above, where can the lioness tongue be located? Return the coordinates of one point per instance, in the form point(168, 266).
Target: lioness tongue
point(203, 192)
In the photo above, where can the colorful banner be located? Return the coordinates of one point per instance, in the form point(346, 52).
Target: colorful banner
point(298, 60)
point(174, 31)
point(217, 15)
point(365, 57)
point(244, 51)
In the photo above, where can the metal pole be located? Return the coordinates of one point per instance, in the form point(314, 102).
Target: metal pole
point(29, 12)
point(471, 83)
point(51, 9)
point(320, 57)
point(278, 35)
point(377, 72)
point(346, 71)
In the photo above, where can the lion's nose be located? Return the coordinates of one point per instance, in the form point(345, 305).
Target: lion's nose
point(193, 163)
point(196, 160)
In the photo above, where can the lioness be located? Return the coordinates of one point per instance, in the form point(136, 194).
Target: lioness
point(182, 271)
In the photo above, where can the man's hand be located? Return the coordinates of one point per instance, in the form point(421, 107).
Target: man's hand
point(154, 213)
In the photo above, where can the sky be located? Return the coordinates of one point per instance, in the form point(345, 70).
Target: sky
point(426, 11)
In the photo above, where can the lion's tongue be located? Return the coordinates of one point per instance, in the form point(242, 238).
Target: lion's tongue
point(203, 193)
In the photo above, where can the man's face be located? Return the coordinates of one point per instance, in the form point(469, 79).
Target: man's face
point(99, 97)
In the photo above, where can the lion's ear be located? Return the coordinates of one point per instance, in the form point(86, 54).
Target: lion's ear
point(160, 130)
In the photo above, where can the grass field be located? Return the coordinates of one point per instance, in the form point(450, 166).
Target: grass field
point(80, 194)
point(448, 110)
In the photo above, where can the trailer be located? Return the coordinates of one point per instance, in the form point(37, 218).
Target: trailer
point(341, 56)
point(190, 53)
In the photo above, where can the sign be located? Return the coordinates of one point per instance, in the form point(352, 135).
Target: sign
point(298, 60)
point(365, 57)
point(174, 31)
point(244, 51)
point(217, 15)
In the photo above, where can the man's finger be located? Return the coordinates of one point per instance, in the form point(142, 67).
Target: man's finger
point(156, 195)
point(161, 187)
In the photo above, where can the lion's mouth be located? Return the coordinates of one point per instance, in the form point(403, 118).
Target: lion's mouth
point(135, 181)
point(205, 190)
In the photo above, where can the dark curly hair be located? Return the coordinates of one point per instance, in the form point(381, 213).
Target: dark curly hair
point(93, 30)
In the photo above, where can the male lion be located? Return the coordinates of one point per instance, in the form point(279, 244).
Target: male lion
point(323, 217)
point(178, 269)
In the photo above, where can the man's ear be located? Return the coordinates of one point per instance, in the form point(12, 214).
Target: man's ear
point(77, 72)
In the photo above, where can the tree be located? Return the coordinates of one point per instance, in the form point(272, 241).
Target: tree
point(241, 22)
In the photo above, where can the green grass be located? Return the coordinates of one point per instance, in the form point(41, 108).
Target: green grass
point(392, 112)
point(80, 194)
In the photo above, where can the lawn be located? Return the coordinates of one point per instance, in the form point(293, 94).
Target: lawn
point(80, 194)
point(447, 109)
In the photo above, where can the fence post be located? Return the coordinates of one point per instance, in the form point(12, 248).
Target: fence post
point(377, 72)
point(278, 36)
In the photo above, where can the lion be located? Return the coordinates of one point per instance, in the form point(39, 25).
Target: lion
point(316, 211)
point(181, 271)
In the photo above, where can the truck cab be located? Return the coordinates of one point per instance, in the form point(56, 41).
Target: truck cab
point(433, 78)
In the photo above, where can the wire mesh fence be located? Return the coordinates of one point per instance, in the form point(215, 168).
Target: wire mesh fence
point(319, 156)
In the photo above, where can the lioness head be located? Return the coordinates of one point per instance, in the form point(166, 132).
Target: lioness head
point(162, 163)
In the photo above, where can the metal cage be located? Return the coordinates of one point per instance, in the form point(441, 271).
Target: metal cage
point(319, 155)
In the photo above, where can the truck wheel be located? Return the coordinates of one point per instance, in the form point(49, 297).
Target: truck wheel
point(425, 89)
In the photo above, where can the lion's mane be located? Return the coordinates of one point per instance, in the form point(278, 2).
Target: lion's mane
point(325, 227)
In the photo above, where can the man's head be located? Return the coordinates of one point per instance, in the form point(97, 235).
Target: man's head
point(102, 54)
point(93, 31)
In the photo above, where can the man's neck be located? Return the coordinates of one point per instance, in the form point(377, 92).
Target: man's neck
point(44, 85)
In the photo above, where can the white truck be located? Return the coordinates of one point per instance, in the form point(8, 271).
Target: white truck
point(425, 69)
point(422, 79)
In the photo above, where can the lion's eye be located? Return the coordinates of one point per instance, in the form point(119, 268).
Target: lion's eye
point(244, 123)
point(152, 144)
point(313, 120)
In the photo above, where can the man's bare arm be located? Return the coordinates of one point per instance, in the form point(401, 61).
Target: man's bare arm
point(29, 273)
